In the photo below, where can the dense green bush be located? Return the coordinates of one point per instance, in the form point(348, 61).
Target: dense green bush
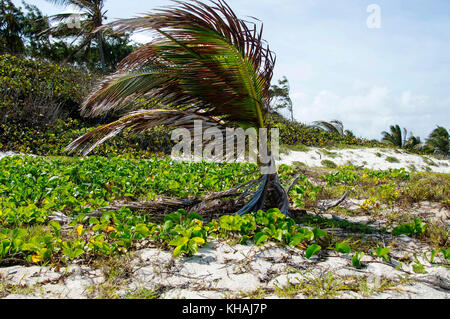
point(34, 92)
point(52, 139)
point(35, 96)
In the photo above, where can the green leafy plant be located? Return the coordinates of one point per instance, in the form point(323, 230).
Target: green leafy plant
point(392, 159)
point(73, 249)
point(303, 192)
point(312, 250)
point(329, 164)
point(418, 266)
point(383, 253)
point(26, 85)
point(446, 253)
point(417, 228)
point(356, 259)
point(343, 248)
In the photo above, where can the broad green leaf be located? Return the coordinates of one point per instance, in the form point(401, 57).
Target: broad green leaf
point(198, 240)
point(356, 260)
point(179, 241)
point(343, 248)
point(261, 238)
point(178, 250)
point(319, 233)
point(297, 239)
point(306, 233)
point(93, 221)
point(446, 253)
point(312, 250)
point(56, 227)
point(383, 253)
point(193, 247)
point(142, 229)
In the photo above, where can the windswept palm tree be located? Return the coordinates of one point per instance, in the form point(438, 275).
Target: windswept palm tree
point(414, 143)
point(439, 139)
point(335, 126)
point(90, 19)
point(204, 64)
point(397, 136)
point(349, 133)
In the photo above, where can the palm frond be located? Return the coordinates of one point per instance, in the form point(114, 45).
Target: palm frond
point(139, 121)
point(203, 56)
point(335, 126)
point(396, 137)
point(82, 4)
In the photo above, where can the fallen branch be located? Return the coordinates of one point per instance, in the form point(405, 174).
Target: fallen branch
point(163, 204)
point(369, 262)
point(325, 207)
point(295, 181)
point(166, 205)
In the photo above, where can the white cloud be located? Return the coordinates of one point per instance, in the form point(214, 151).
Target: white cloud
point(141, 38)
point(371, 110)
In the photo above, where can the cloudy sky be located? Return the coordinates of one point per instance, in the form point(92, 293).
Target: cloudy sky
point(394, 72)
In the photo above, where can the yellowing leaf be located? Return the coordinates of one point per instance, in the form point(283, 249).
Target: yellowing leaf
point(80, 230)
point(36, 258)
point(199, 222)
point(110, 229)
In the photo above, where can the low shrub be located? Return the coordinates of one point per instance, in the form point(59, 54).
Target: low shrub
point(392, 159)
point(329, 164)
point(37, 92)
point(52, 139)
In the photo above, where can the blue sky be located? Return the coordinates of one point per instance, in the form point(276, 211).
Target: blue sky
point(338, 68)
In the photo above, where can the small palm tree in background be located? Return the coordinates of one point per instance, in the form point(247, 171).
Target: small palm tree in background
point(335, 126)
point(349, 133)
point(90, 19)
point(397, 136)
point(204, 64)
point(414, 143)
point(439, 139)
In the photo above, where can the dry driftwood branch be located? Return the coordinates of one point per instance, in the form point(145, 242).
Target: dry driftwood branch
point(296, 179)
point(161, 205)
point(166, 205)
point(302, 172)
point(325, 207)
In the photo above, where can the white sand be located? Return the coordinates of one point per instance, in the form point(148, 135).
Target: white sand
point(11, 154)
point(368, 158)
point(5, 154)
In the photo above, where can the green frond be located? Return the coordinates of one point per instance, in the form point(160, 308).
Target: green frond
point(139, 121)
point(206, 57)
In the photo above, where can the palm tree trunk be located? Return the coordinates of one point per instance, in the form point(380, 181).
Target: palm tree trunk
point(270, 194)
point(100, 48)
